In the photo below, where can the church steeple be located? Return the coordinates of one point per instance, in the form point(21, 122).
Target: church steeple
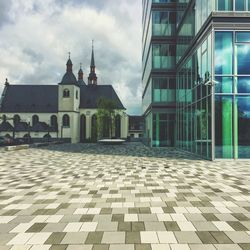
point(69, 64)
point(92, 79)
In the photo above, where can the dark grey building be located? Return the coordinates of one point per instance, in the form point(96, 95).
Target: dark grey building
point(196, 76)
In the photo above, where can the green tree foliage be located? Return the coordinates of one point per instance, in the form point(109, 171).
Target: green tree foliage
point(105, 117)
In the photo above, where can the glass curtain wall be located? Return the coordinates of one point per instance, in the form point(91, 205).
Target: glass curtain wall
point(232, 5)
point(163, 127)
point(194, 102)
point(232, 94)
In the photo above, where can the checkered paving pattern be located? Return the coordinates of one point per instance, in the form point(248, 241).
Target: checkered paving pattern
point(128, 197)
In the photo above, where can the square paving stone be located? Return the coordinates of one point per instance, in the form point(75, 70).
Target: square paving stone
point(94, 238)
point(132, 238)
point(75, 238)
point(113, 238)
point(206, 237)
point(221, 237)
point(55, 238)
point(125, 226)
point(187, 237)
point(238, 237)
point(143, 247)
point(101, 247)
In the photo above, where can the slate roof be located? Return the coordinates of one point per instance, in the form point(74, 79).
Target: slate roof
point(42, 127)
point(44, 98)
point(69, 78)
point(21, 126)
point(6, 126)
point(30, 99)
point(90, 94)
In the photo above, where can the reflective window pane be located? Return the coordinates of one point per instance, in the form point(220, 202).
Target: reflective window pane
point(243, 118)
point(243, 84)
point(163, 56)
point(223, 84)
point(224, 127)
point(243, 36)
point(223, 53)
point(243, 59)
point(240, 5)
point(225, 5)
point(164, 23)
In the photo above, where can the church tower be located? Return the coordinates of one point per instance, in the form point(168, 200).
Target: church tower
point(92, 79)
point(68, 104)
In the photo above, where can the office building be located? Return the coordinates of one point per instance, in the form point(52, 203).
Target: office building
point(196, 76)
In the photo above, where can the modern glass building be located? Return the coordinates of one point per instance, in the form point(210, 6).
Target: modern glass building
point(196, 76)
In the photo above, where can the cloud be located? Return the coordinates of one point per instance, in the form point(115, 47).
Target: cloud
point(37, 39)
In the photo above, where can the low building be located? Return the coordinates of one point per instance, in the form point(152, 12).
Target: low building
point(136, 127)
point(66, 110)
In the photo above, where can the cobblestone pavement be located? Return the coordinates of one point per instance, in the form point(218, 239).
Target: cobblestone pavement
point(128, 197)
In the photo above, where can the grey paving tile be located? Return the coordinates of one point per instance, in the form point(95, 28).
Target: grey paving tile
point(118, 194)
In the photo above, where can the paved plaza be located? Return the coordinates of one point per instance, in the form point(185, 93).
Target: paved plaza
point(128, 197)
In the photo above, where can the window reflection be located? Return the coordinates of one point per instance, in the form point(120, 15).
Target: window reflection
point(224, 5)
point(243, 58)
point(164, 23)
point(163, 56)
point(240, 5)
point(243, 84)
point(243, 112)
point(223, 127)
point(223, 53)
point(224, 84)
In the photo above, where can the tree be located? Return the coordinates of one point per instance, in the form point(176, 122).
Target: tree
point(105, 117)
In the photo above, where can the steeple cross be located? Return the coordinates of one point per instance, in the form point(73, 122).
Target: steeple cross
point(69, 54)
point(80, 65)
point(92, 44)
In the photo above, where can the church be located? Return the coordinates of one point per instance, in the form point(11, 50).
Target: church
point(66, 111)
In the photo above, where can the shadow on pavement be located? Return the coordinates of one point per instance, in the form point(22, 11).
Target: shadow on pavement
point(134, 149)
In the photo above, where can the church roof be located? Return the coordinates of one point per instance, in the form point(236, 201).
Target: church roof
point(44, 98)
point(69, 78)
point(6, 126)
point(90, 95)
point(30, 99)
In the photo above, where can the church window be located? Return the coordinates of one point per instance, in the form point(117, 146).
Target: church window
point(66, 93)
point(16, 119)
point(66, 121)
point(76, 94)
point(53, 121)
point(4, 118)
point(35, 120)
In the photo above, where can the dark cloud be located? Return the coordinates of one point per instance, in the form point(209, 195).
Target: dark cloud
point(4, 11)
point(36, 43)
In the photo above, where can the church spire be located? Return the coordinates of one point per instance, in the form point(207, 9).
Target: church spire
point(92, 64)
point(92, 79)
point(69, 64)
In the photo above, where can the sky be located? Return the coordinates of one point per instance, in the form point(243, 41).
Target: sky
point(36, 36)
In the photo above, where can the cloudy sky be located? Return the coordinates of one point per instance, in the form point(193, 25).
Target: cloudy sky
point(36, 36)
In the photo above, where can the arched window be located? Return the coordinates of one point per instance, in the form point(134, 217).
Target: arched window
point(35, 120)
point(53, 121)
point(66, 93)
point(118, 126)
point(77, 94)
point(82, 128)
point(94, 128)
point(4, 118)
point(66, 121)
point(16, 119)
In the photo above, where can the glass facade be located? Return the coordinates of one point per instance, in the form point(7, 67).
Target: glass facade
point(196, 76)
point(194, 102)
point(159, 62)
point(232, 94)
